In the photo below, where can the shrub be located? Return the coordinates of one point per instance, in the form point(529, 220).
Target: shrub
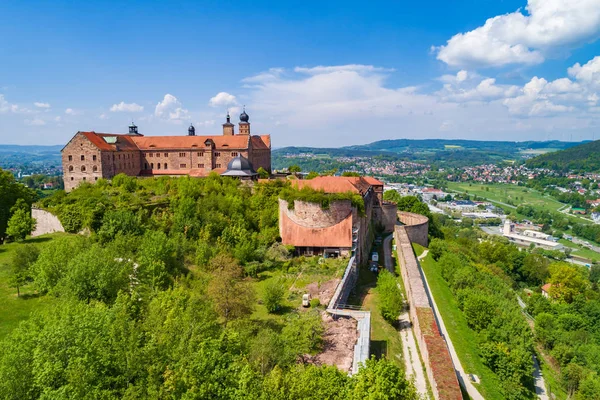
point(390, 298)
point(315, 303)
point(273, 295)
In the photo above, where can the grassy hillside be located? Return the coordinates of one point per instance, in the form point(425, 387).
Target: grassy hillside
point(581, 158)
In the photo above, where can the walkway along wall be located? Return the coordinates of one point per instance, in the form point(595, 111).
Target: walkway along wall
point(46, 222)
point(416, 226)
point(337, 306)
point(432, 346)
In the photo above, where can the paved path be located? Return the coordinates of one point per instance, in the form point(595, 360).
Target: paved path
point(538, 378)
point(412, 360)
point(460, 372)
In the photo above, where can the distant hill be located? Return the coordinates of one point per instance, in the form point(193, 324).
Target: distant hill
point(440, 152)
point(14, 148)
point(581, 158)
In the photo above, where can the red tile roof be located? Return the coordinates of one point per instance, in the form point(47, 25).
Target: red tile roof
point(130, 142)
point(338, 184)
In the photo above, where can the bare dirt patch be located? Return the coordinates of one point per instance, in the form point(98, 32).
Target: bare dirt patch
point(322, 291)
point(339, 340)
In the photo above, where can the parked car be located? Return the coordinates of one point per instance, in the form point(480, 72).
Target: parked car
point(375, 256)
point(374, 267)
point(306, 300)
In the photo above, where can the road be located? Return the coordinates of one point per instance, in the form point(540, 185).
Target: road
point(412, 360)
point(461, 374)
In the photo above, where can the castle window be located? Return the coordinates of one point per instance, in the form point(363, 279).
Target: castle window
point(234, 154)
point(145, 165)
point(83, 168)
point(150, 155)
point(157, 154)
point(181, 154)
point(72, 178)
point(217, 165)
point(93, 158)
point(95, 168)
point(70, 168)
point(82, 157)
point(165, 166)
point(182, 166)
point(113, 156)
point(119, 156)
point(201, 154)
point(200, 165)
point(151, 165)
point(217, 153)
point(158, 165)
point(84, 178)
point(96, 178)
point(70, 158)
point(166, 154)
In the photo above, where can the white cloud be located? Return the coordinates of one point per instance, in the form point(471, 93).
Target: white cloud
point(589, 73)
point(270, 75)
point(170, 109)
point(103, 116)
point(35, 122)
point(71, 111)
point(484, 90)
point(6, 107)
point(341, 68)
point(549, 26)
point(126, 107)
point(41, 105)
point(222, 99)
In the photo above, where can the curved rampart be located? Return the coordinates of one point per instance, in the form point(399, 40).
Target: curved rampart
point(311, 215)
point(46, 222)
point(416, 226)
point(389, 213)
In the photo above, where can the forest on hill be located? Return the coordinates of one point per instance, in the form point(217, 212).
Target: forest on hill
point(581, 158)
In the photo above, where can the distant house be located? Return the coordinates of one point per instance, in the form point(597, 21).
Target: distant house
point(546, 290)
point(577, 210)
point(48, 185)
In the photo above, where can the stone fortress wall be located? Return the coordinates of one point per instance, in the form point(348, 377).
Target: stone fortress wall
point(311, 215)
point(432, 345)
point(416, 227)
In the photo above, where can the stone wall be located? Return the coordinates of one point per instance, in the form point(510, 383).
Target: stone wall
point(311, 215)
point(81, 161)
point(46, 222)
point(432, 346)
point(389, 216)
point(417, 227)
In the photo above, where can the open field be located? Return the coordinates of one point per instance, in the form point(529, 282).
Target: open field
point(15, 309)
point(508, 194)
point(464, 339)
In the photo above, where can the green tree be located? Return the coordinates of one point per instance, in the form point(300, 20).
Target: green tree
point(567, 281)
point(262, 173)
point(10, 192)
point(232, 297)
point(294, 169)
point(20, 266)
point(390, 298)
point(21, 223)
point(273, 295)
point(381, 379)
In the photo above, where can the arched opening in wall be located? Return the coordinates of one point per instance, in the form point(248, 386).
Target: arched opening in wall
point(70, 168)
point(95, 168)
point(83, 168)
point(82, 157)
point(165, 166)
point(145, 165)
point(158, 165)
point(151, 165)
point(72, 178)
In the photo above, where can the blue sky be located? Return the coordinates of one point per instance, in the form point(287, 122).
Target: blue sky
point(310, 73)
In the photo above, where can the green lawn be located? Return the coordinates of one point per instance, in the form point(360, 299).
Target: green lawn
point(587, 253)
point(463, 338)
point(15, 309)
point(507, 193)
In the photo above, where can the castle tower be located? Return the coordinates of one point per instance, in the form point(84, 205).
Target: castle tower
point(191, 130)
point(244, 124)
point(228, 127)
point(133, 129)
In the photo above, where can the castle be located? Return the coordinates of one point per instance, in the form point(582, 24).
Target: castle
point(89, 156)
